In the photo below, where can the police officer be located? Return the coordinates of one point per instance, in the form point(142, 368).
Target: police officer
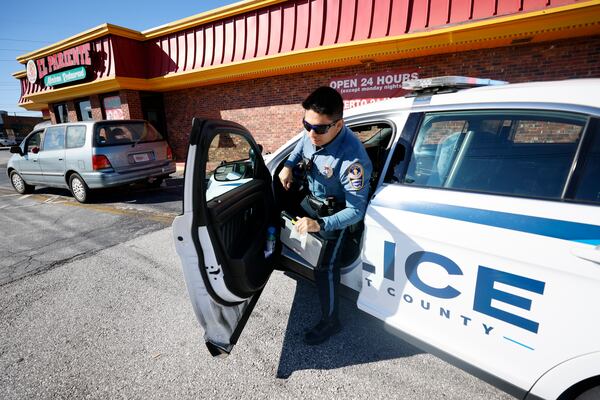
point(338, 172)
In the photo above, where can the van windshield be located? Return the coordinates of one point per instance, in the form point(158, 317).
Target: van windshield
point(124, 132)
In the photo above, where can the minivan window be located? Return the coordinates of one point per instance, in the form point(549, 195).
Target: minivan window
point(119, 133)
point(34, 140)
point(75, 136)
point(54, 138)
point(522, 153)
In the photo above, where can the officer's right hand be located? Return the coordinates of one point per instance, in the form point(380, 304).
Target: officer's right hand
point(285, 176)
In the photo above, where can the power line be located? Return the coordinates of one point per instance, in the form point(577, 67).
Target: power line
point(14, 50)
point(24, 40)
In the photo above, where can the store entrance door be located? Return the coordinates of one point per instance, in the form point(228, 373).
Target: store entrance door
point(154, 111)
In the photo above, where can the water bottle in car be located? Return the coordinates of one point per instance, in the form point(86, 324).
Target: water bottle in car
point(270, 247)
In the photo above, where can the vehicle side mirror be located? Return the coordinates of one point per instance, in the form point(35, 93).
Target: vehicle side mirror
point(16, 150)
point(35, 150)
point(229, 172)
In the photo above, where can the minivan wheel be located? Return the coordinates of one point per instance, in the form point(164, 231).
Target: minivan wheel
point(19, 184)
point(80, 190)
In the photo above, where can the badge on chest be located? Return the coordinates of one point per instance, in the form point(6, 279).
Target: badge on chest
point(327, 171)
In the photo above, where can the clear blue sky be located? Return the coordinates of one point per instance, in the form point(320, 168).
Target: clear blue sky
point(30, 25)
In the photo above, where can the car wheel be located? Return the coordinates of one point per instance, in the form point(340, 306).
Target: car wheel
point(79, 189)
point(19, 184)
point(155, 182)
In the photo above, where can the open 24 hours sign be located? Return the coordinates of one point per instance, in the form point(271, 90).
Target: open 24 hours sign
point(358, 90)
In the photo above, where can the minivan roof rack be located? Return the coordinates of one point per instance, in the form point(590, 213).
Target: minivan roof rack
point(445, 84)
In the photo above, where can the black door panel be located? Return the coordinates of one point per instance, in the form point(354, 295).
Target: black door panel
point(238, 222)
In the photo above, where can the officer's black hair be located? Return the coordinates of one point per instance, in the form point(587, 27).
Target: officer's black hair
point(326, 101)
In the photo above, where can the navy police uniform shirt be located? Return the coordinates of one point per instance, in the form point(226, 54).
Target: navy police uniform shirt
point(341, 169)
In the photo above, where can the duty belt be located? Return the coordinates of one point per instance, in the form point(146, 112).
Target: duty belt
point(324, 208)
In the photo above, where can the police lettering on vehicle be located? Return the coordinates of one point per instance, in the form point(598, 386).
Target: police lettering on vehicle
point(484, 292)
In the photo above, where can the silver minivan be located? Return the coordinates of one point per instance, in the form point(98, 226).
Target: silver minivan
point(87, 155)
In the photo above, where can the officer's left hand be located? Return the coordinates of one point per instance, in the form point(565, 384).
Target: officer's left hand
point(306, 224)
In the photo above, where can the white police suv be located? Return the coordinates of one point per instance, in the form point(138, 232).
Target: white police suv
point(481, 240)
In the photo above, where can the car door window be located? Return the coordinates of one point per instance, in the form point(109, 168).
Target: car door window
point(34, 140)
point(54, 138)
point(523, 153)
point(588, 186)
point(230, 164)
point(75, 136)
point(376, 138)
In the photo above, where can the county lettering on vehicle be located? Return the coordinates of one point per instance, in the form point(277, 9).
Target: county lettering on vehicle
point(426, 294)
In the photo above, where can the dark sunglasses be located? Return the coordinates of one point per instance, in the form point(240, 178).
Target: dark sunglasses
point(319, 129)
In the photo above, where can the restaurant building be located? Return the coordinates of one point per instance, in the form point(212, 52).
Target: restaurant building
point(253, 62)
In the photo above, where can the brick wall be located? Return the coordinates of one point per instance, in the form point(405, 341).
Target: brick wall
point(270, 107)
point(131, 104)
point(71, 111)
point(52, 114)
point(96, 108)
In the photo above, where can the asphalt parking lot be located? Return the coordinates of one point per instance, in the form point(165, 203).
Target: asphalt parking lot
point(93, 305)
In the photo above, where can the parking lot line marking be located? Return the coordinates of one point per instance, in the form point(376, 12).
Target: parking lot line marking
point(164, 218)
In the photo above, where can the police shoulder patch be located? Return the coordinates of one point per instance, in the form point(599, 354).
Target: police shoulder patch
point(356, 176)
point(355, 171)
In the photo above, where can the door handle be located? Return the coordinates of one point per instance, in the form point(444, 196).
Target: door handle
point(60, 159)
point(589, 254)
point(34, 160)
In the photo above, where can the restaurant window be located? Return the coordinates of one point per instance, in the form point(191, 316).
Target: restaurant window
point(60, 113)
point(84, 110)
point(111, 106)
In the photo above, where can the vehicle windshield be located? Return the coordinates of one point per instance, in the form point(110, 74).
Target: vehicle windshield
point(124, 132)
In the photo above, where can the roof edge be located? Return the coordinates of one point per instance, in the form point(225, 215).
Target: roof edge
point(209, 16)
point(83, 37)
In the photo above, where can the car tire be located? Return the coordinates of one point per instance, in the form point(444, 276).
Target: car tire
point(19, 184)
point(79, 188)
point(589, 394)
point(155, 182)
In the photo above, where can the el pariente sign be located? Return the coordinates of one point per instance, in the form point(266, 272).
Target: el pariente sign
point(75, 56)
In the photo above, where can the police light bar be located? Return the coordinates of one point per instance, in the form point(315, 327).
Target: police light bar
point(448, 82)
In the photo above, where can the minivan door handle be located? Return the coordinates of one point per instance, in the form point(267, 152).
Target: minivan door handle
point(60, 159)
point(589, 254)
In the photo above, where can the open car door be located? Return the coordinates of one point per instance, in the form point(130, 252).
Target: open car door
point(221, 236)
